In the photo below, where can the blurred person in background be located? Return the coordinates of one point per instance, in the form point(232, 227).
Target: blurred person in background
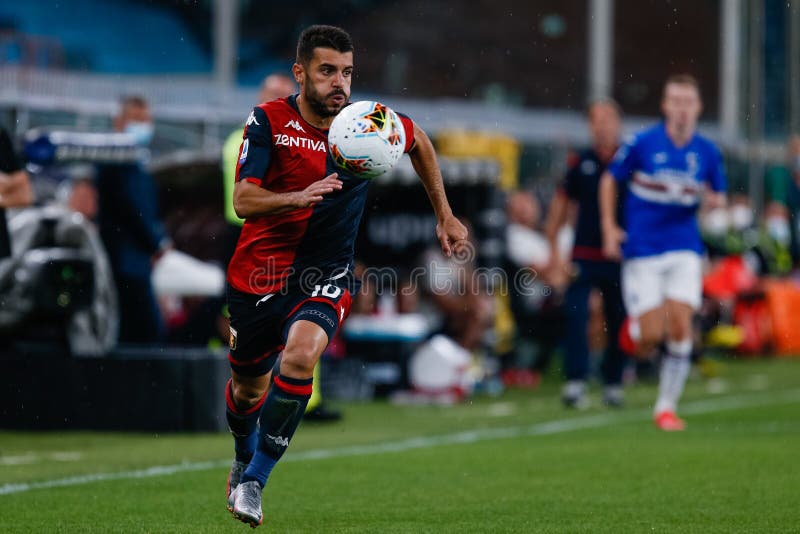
point(273, 87)
point(465, 305)
point(78, 192)
point(669, 170)
point(729, 231)
point(590, 268)
point(15, 188)
point(83, 198)
point(773, 248)
point(537, 312)
point(15, 192)
point(782, 183)
point(301, 219)
point(131, 230)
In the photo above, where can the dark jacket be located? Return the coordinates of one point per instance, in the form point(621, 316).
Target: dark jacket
point(128, 218)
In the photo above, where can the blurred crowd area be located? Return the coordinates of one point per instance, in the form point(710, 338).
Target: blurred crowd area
point(499, 308)
point(401, 48)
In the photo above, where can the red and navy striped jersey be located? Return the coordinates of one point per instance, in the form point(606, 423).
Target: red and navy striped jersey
point(283, 153)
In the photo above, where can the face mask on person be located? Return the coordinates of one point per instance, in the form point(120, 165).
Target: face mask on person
point(715, 222)
point(142, 132)
point(741, 217)
point(778, 229)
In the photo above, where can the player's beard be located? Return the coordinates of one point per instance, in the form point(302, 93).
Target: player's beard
point(317, 103)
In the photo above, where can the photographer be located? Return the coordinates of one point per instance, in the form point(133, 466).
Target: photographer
point(782, 184)
point(15, 188)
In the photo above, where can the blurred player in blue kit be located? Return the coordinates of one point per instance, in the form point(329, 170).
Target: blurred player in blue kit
point(669, 171)
point(290, 280)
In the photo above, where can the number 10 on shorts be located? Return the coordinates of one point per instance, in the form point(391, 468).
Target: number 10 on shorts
point(328, 290)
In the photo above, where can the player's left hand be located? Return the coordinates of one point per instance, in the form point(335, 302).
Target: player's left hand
point(714, 200)
point(451, 234)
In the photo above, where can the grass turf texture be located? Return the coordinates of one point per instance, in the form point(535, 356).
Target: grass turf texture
point(520, 463)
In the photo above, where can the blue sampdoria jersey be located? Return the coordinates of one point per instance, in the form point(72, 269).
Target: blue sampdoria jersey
point(665, 188)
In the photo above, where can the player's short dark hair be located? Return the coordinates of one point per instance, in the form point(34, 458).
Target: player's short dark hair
point(322, 36)
point(135, 101)
point(603, 101)
point(681, 79)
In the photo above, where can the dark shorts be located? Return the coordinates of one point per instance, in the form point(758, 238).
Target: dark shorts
point(260, 323)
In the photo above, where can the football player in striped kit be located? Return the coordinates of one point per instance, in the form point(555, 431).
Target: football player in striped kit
point(669, 170)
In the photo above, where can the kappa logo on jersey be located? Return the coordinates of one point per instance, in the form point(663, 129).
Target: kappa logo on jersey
point(251, 119)
point(294, 124)
point(245, 149)
point(302, 142)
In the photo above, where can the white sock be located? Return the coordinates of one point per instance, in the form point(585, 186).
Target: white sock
point(634, 330)
point(675, 369)
point(574, 388)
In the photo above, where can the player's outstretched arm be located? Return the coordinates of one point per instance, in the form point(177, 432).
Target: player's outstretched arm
point(613, 236)
point(449, 230)
point(251, 200)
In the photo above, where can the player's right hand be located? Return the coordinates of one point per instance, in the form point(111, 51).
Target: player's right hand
point(314, 192)
point(613, 237)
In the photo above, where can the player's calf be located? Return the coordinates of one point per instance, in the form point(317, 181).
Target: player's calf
point(242, 420)
point(640, 337)
point(675, 366)
point(283, 409)
point(242, 412)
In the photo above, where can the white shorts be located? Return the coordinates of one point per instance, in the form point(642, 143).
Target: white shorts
point(647, 282)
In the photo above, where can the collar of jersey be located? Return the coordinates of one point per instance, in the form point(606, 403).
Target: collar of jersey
point(292, 101)
point(672, 143)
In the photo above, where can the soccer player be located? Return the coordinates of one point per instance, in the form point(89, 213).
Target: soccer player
point(291, 278)
point(273, 87)
point(592, 268)
point(669, 170)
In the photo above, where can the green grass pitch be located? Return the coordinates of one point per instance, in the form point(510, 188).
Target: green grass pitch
point(518, 463)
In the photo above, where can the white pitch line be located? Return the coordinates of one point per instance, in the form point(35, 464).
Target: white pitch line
point(559, 426)
point(20, 459)
point(32, 457)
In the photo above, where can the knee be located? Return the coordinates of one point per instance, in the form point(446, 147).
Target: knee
point(299, 358)
point(679, 321)
point(680, 332)
point(651, 336)
point(246, 395)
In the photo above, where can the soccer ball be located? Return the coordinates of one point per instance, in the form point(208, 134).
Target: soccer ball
point(366, 139)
